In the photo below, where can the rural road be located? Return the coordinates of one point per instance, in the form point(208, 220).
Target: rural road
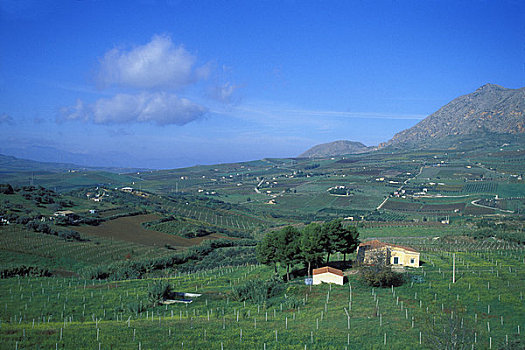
point(400, 188)
point(474, 202)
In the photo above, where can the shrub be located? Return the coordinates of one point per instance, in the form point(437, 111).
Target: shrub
point(6, 189)
point(292, 302)
point(136, 307)
point(23, 270)
point(158, 292)
point(258, 291)
point(69, 235)
point(381, 277)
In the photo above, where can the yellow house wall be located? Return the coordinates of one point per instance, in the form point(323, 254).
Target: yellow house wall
point(328, 278)
point(404, 257)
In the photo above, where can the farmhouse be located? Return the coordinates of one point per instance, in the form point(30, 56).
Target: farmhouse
point(327, 274)
point(63, 213)
point(371, 251)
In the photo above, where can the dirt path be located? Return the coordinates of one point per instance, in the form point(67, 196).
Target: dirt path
point(475, 202)
point(400, 188)
point(129, 229)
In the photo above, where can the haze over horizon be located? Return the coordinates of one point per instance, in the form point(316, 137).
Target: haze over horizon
point(165, 84)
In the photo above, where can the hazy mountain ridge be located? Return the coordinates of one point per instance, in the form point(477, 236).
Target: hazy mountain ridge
point(490, 109)
point(335, 148)
point(14, 164)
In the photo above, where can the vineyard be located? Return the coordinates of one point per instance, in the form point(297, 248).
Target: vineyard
point(51, 250)
point(481, 187)
point(487, 300)
point(218, 217)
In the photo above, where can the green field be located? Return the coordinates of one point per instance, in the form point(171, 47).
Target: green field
point(487, 300)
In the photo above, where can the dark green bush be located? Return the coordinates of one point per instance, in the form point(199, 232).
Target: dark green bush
point(158, 292)
point(258, 291)
point(292, 302)
point(6, 189)
point(381, 277)
point(136, 307)
point(33, 271)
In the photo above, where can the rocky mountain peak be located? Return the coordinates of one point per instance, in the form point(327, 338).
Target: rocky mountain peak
point(491, 109)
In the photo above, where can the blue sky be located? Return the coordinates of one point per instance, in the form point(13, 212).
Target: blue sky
point(173, 83)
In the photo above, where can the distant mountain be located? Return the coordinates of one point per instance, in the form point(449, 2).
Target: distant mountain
point(10, 163)
point(335, 148)
point(13, 164)
point(490, 110)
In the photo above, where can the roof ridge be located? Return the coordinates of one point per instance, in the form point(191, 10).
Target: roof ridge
point(375, 243)
point(325, 269)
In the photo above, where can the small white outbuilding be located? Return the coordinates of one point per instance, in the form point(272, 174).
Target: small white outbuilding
point(328, 274)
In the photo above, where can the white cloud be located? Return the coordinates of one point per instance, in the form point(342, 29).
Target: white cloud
point(77, 112)
point(223, 93)
point(160, 108)
point(158, 63)
point(6, 119)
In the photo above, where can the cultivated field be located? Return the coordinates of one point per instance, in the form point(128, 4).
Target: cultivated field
point(129, 229)
point(486, 300)
point(22, 247)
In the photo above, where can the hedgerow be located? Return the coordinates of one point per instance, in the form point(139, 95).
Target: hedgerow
point(139, 268)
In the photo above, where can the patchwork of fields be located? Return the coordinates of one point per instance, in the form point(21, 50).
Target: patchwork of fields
point(445, 204)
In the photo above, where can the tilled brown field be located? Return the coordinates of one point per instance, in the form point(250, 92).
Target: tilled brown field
point(129, 229)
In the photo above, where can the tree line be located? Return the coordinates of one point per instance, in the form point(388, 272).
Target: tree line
point(309, 245)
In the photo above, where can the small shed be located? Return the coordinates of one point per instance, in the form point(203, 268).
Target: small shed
point(327, 274)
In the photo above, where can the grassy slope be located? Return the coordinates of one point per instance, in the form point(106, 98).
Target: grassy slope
point(58, 299)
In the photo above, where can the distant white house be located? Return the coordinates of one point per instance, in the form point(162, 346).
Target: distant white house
point(327, 274)
point(64, 213)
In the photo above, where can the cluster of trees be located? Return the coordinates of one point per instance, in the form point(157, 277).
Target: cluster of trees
point(6, 189)
point(33, 271)
point(308, 246)
point(515, 236)
point(39, 195)
point(39, 226)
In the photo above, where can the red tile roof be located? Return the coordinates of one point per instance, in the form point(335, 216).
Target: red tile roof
point(326, 269)
point(375, 244)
